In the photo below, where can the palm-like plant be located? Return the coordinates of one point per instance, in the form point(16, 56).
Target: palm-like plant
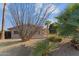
point(68, 24)
point(68, 21)
point(43, 48)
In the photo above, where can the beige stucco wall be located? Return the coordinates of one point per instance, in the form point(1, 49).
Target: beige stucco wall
point(16, 36)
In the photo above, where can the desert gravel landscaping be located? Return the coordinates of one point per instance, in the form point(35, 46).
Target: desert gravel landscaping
point(25, 49)
point(16, 49)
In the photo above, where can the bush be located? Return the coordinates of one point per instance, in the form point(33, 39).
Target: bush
point(54, 39)
point(40, 48)
point(43, 48)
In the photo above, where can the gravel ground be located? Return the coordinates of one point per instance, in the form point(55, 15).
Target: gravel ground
point(20, 49)
point(17, 51)
point(65, 50)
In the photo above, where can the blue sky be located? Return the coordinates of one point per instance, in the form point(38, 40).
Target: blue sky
point(59, 9)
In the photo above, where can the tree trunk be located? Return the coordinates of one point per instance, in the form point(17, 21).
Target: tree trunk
point(23, 40)
point(3, 23)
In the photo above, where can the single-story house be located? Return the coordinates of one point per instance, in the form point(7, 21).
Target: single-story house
point(14, 34)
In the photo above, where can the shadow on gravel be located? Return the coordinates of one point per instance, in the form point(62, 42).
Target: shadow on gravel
point(65, 50)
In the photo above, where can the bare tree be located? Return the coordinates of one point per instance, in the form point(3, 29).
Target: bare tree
point(28, 19)
point(3, 22)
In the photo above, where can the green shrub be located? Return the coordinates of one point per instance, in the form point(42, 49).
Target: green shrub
point(54, 39)
point(40, 47)
point(43, 48)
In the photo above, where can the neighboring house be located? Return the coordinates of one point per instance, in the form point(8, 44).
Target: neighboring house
point(15, 35)
point(7, 34)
